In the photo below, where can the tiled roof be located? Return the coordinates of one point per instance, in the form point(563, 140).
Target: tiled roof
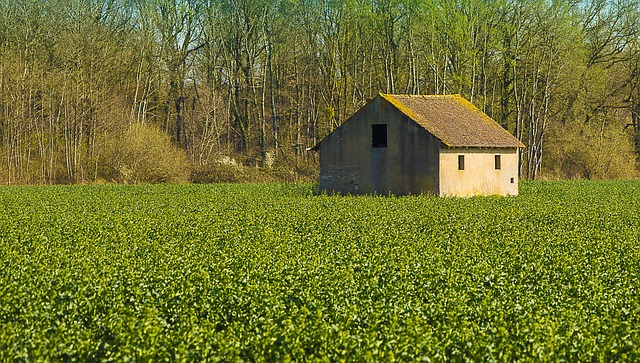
point(452, 119)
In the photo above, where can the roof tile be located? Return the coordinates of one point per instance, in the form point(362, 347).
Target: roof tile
point(452, 119)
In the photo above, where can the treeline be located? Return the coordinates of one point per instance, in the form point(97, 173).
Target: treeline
point(166, 90)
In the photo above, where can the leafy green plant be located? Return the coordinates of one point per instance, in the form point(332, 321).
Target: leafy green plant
point(274, 273)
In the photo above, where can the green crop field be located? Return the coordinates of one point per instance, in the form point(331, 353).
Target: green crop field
point(272, 272)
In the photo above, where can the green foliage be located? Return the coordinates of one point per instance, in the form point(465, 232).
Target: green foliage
point(273, 273)
point(241, 78)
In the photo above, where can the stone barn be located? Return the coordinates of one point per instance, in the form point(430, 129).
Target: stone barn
point(402, 144)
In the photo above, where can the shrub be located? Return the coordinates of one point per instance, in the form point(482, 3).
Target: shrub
point(144, 154)
point(227, 170)
point(589, 152)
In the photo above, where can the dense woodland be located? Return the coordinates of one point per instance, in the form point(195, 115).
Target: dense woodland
point(179, 90)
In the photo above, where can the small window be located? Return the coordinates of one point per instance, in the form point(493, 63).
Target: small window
point(498, 163)
point(513, 180)
point(460, 162)
point(379, 135)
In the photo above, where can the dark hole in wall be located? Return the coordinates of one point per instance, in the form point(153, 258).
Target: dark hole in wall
point(379, 135)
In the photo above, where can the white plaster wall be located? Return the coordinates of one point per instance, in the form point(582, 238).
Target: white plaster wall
point(479, 176)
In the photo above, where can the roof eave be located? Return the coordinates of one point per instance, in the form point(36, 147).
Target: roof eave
point(483, 146)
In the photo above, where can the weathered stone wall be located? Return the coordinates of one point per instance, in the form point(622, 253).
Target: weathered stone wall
point(345, 154)
point(415, 164)
point(408, 165)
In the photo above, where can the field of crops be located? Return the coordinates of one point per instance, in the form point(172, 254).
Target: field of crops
point(274, 273)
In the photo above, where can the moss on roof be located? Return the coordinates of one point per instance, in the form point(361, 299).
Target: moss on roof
point(452, 119)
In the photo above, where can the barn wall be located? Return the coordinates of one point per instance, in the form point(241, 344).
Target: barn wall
point(415, 162)
point(408, 165)
point(479, 176)
point(344, 159)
